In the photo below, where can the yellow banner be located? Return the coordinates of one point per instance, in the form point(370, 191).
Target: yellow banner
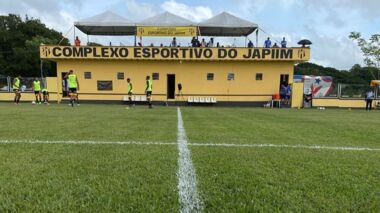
point(167, 31)
point(180, 53)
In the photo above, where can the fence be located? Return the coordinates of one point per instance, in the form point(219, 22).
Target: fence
point(347, 91)
point(26, 84)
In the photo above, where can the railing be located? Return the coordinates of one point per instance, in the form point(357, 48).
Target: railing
point(26, 84)
point(350, 91)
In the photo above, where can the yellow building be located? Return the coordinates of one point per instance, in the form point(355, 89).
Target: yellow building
point(229, 75)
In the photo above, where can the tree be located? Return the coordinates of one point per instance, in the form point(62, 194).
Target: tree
point(19, 46)
point(371, 51)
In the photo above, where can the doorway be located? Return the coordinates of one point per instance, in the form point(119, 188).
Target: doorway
point(170, 86)
point(284, 79)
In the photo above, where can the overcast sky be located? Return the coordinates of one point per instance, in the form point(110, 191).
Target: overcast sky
point(327, 23)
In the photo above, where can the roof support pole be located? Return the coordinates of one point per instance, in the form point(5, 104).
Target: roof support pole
point(88, 39)
point(257, 37)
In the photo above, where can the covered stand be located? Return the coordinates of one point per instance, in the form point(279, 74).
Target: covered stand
point(166, 19)
point(107, 23)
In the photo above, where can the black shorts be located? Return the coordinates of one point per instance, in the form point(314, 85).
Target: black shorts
point(37, 92)
point(149, 93)
point(73, 90)
point(45, 93)
point(130, 93)
point(16, 90)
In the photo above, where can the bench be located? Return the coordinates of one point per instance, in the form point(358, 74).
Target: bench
point(135, 98)
point(201, 100)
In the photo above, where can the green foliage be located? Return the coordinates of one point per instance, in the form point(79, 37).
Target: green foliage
point(19, 48)
point(356, 75)
point(371, 51)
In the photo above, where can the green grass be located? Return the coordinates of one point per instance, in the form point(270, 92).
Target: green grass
point(331, 127)
point(287, 180)
point(87, 178)
point(142, 178)
point(87, 122)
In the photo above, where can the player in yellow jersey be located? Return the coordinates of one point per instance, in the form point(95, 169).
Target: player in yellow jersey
point(16, 89)
point(148, 90)
point(72, 80)
point(130, 92)
point(37, 90)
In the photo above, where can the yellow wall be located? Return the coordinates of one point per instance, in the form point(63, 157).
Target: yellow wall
point(191, 74)
point(341, 103)
point(29, 96)
point(297, 95)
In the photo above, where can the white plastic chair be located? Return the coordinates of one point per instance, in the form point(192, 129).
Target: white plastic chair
point(190, 99)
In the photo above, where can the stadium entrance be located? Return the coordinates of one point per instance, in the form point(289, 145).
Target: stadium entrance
point(170, 86)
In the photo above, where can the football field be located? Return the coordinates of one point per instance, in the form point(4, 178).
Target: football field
point(106, 158)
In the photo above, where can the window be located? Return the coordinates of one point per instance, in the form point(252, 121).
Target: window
point(155, 76)
point(104, 85)
point(231, 76)
point(120, 76)
point(259, 76)
point(87, 75)
point(210, 76)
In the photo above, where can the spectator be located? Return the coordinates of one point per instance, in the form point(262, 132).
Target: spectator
point(283, 91)
point(368, 99)
point(211, 42)
point(275, 45)
point(151, 45)
point(283, 43)
point(174, 42)
point(77, 42)
point(250, 44)
point(288, 94)
point(203, 43)
point(268, 43)
point(194, 42)
point(161, 45)
point(139, 44)
point(217, 44)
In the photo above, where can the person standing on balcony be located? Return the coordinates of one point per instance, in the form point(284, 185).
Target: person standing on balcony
point(211, 42)
point(250, 44)
point(77, 42)
point(283, 43)
point(174, 42)
point(203, 43)
point(267, 43)
point(194, 42)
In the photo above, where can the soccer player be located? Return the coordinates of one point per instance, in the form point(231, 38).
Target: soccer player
point(16, 89)
point(72, 80)
point(37, 90)
point(45, 93)
point(130, 92)
point(148, 90)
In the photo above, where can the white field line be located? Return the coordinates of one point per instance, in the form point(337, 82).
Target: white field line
point(187, 182)
point(86, 142)
point(298, 146)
